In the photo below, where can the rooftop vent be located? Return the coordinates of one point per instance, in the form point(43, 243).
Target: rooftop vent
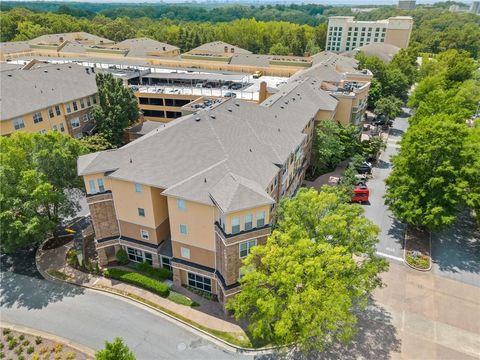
point(197, 119)
point(237, 104)
point(281, 107)
point(213, 116)
point(45, 71)
point(9, 75)
point(229, 109)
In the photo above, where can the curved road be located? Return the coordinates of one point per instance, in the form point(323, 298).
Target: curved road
point(89, 317)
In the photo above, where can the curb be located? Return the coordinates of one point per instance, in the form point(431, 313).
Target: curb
point(34, 332)
point(405, 253)
point(216, 340)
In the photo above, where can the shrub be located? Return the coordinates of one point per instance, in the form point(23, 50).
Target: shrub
point(122, 257)
point(57, 348)
point(26, 343)
point(12, 343)
point(21, 357)
point(70, 355)
point(115, 350)
point(1, 345)
point(19, 350)
point(35, 357)
point(139, 280)
point(38, 340)
point(72, 258)
point(2, 355)
point(6, 331)
point(156, 273)
point(10, 337)
point(43, 350)
point(30, 349)
point(22, 337)
point(97, 268)
point(204, 294)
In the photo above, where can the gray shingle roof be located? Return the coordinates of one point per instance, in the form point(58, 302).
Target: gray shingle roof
point(14, 46)
point(139, 47)
point(26, 91)
point(80, 36)
point(219, 47)
point(384, 51)
point(250, 60)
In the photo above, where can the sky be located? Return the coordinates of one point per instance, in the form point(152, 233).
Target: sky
point(258, 2)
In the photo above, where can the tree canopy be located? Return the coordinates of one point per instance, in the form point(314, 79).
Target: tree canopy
point(317, 267)
point(115, 350)
point(37, 175)
point(116, 110)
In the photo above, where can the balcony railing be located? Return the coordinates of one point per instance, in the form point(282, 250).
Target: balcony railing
point(228, 236)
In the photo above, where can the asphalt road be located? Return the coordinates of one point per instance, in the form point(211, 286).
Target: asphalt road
point(89, 317)
point(391, 239)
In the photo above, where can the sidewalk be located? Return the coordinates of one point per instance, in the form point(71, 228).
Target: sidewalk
point(55, 260)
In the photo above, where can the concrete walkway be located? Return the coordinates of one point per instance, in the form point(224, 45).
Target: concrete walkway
point(55, 260)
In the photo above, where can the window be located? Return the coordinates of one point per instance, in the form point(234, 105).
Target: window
point(37, 117)
point(88, 101)
point(135, 255)
point(144, 234)
point(185, 252)
point(199, 282)
point(94, 99)
point(183, 229)
point(67, 106)
point(235, 225)
point(57, 110)
point(246, 246)
point(50, 112)
point(18, 124)
point(148, 258)
point(54, 127)
point(42, 131)
point(138, 187)
point(75, 106)
point(181, 204)
point(62, 127)
point(260, 218)
point(141, 212)
point(82, 103)
point(101, 186)
point(91, 185)
point(248, 221)
point(78, 136)
point(85, 117)
point(166, 263)
point(75, 123)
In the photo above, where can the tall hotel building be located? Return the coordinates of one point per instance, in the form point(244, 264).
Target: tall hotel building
point(345, 34)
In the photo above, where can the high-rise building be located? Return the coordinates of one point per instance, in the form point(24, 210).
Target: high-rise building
point(475, 7)
point(406, 4)
point(345, 33)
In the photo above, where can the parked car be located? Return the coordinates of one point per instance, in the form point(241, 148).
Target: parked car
point(382, 120)
point(199, 86)
point(230, 94)
point(257, 74)
point(236, 86)
point(364, 168)
point(360, 194)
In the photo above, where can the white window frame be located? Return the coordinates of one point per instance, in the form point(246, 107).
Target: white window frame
point(101, 185)
point(144, 234)
point(37, 117)
point(260, 218)
point(181, 204)
point(185, 252)
point(74, 121)
point(183, 229)
point(248, 222)
point(249, 244)
point(92, 188)
point(18, 123)
point(235, 220)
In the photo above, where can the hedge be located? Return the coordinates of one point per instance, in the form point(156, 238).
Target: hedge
point(139, 280)
point(156, 273)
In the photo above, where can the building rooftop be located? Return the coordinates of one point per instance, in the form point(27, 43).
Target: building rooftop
point(384, 51)
point(218, 47)
point(78, 37)
point(26, 91)
point(143, 47)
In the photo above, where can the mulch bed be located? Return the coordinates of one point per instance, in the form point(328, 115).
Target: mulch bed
point(418, 248)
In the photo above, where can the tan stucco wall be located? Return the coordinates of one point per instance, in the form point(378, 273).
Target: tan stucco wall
point(156, 236)
point(6, 126)
point(197, 255)
point(199, 219)
point(398, 37)
point(127, 202)
point(241, 215)
point(95, 177)
point(344, 109)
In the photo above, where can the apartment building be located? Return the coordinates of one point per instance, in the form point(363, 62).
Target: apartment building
point(41, 97)
point(196, 194)
point(345, 33)
point(407, 4)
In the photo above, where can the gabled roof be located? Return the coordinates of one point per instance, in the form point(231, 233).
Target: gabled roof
point(26, 91)
point(14, 47)
point(80, 37)
point(384, 51)
point(141, 47)
point(219, 47)
point(234, 193)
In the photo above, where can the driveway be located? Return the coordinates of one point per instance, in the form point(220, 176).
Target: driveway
point(391, 230)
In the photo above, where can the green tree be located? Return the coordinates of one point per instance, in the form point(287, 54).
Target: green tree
point(95, 143)
point(38, 177)
point(317, 267)
point(389, 106)
point(115, 350)
point(374, 93)
point(116, 110)
point(426, 185)
point(279, 49)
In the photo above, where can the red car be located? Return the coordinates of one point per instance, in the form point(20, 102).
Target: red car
point(360, 194)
